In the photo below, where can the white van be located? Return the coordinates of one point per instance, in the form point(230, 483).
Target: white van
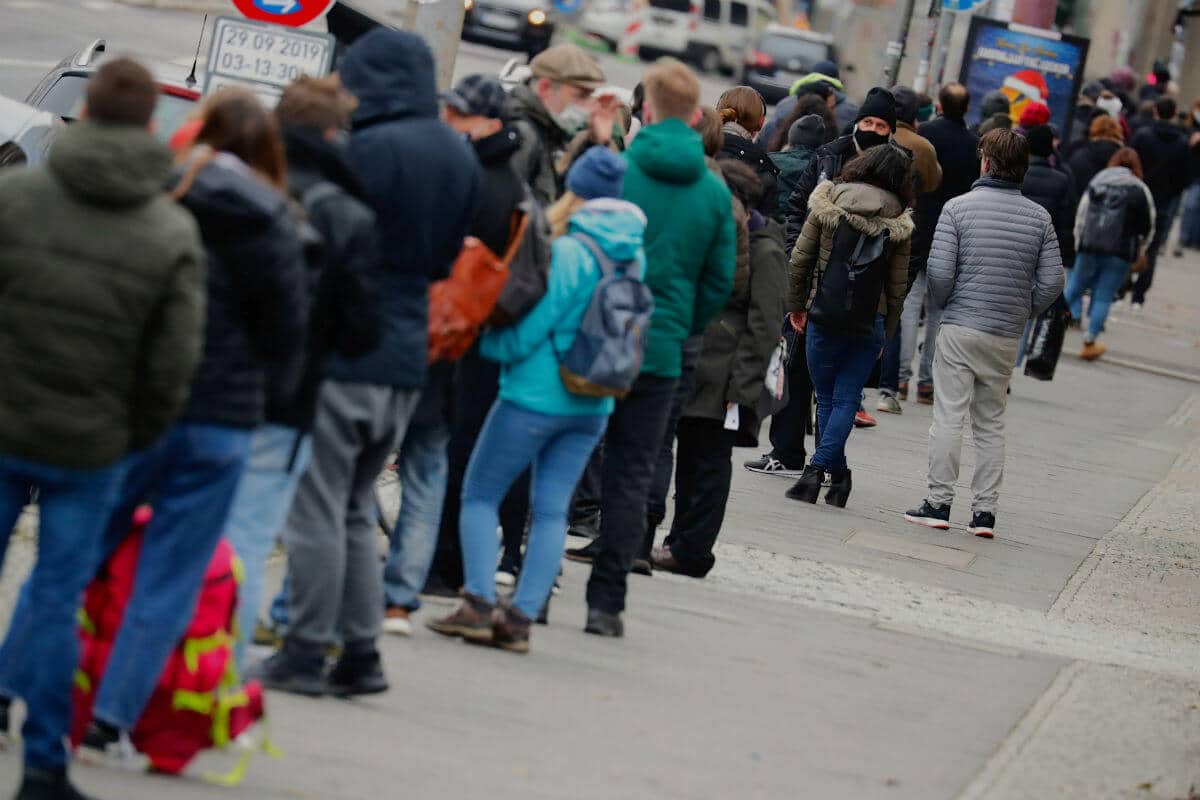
point(712, 34)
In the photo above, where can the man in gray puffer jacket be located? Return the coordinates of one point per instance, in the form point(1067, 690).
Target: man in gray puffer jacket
point(994, 263)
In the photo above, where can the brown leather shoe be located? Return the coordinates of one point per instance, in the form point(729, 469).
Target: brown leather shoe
point(664, 559)
point(472, 620)
point(510, 630)
point(1092, 350)
point(925, 394)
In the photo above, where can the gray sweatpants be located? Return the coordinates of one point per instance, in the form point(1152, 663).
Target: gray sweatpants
point(971, 372)
point(336, 590)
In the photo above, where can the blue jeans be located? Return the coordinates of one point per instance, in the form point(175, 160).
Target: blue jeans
point(840, 367)
point(889, 372)
point(1189, 227)
point(41, 651)
point(1103, 275)
point(558, 448)
point(422, 463)
point(190, 478)
point(278, 457)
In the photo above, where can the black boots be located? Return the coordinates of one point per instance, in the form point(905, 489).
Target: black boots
point(808, 486)
point(839, 489)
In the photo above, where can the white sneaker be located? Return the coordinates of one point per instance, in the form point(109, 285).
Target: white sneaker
point(1136, 308)
point(505, 578)
point(397, 623)
point(769, 465)
point(888, 404)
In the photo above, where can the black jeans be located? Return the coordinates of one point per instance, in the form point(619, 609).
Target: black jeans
point(631, 447)
point(703, 470)
point(476, 385)
point(789, 425)
point(1164, 217)
point(656, 502)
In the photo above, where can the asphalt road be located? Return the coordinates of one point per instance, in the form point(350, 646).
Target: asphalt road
point(36, 34)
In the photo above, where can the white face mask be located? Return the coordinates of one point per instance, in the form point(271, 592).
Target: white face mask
point(1112, 105)
point(572, 119)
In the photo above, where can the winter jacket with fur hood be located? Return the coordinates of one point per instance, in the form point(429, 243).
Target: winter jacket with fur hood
point(867, 209)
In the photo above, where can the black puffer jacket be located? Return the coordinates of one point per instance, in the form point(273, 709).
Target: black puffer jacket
point(344, 313)
point(257, 295)
point(1053, 190)
point(1088, 158)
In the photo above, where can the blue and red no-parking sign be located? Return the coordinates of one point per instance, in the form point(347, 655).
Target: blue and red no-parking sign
point(283, 12)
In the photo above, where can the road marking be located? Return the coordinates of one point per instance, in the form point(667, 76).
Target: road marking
point(30, 63)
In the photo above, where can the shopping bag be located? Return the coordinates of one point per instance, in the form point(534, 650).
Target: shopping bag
point(1046, 341)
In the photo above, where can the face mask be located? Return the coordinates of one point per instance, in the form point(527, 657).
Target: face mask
point(869, 139)
point(571, 119)
point(1111, 105)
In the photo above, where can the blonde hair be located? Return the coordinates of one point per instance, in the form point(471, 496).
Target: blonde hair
point(672, 89)
point(743, 105)
point(560, 212)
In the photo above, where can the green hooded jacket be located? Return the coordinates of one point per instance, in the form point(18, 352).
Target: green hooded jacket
point(102, 299)
point(690, 237)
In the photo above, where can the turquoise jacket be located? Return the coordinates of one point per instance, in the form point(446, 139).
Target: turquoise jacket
point(529, 367)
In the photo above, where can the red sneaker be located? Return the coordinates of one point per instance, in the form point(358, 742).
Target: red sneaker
point(864, 420)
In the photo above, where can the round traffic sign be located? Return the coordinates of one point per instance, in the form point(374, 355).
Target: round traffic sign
point(283, 12)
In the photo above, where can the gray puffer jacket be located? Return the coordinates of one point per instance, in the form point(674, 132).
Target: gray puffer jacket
point(995, 260)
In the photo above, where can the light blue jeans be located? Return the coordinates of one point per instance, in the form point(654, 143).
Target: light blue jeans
point(421, 464)
point(42, 647)
point(278, 457)
point(513, 438)
point(910, 319)
point(1103, 275)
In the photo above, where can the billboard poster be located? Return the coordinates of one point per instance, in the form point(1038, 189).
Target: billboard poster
point(1026, 64)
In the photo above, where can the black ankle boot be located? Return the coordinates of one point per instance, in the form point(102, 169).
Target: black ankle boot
point(808, 486)
point(839, 489)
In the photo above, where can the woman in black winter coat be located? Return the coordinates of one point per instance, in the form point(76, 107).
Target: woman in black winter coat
point(1088, 158)
point(743, 112)
point(727, 399)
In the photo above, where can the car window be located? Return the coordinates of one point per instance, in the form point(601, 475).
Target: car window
point(66, 97)
point(739, 14)
point(712, 10)
point(682, 6)
point(785, 49)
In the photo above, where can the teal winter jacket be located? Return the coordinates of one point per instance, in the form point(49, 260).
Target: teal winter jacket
point(526, 351)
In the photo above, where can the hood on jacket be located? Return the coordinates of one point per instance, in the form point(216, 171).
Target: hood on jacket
point(669, 151)
point(867, 208)
point(392, 75)
point(110, 165)
point(228, 199)
point(1116, 176)
point(617, 226)
point(308, 151)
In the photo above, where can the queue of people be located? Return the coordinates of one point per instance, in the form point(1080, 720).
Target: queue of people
point(671, 276)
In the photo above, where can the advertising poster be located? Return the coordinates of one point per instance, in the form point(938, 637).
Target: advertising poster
point(1027, 64)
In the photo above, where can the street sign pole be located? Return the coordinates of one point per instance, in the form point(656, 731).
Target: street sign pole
point(440, 24)
point(932, 25)
point(895, 48)
point(292, 13)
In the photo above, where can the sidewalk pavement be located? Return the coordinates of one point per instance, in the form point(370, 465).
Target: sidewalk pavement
point(836, 653)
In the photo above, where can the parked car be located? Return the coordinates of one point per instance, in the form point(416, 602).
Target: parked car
point(25, 133)
point(780, 56)
point(516, 24)
point(712, 34)
point(606, 21)
point(62, 91)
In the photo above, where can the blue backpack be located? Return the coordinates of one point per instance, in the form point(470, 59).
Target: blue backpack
point(606, 356)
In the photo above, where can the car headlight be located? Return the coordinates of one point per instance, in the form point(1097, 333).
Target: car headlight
point(537, 17)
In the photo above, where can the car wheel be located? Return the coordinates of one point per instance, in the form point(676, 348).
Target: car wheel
point(710, 60)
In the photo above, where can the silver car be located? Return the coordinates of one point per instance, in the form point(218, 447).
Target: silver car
point(25, 133)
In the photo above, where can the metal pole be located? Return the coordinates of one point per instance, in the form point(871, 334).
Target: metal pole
point(439, 22)
point(942, 44)
point(895, 48)
point(932, 25)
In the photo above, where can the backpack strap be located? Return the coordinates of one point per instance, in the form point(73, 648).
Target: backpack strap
point(607, 265)
point(520, 222)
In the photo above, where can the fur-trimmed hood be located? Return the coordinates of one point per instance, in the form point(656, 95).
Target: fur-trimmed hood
point(867, 208)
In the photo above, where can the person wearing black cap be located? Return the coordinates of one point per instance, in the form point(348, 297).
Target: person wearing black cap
point(477, 107)
point(803, 139)
point(1052, 189)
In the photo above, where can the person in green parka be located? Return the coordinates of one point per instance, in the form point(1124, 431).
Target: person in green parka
point(690, 253)
point(803, 139)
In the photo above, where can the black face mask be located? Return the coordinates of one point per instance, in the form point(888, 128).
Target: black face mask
point(869, 139)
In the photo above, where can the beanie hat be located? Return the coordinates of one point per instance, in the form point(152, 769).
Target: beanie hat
point(808, 131)
point(994, 103)
point(1041, 141)
point(879, 103)
point(1034, 114)
point(599, 172)
point(906, 104)
point(1091, 90)
point(827, 68)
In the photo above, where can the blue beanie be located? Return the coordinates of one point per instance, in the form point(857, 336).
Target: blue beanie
point(599, 172)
